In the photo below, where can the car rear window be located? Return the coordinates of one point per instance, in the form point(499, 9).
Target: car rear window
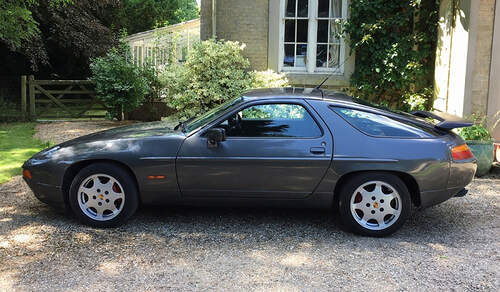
point(383, 126)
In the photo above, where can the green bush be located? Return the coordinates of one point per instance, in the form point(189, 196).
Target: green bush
point(120, 85)
point(475, 132)
point(394, 43)
point(214, 72)
point(417, 101)
point(152, 76)
point(9, 111)
point(479, 131)
point(269, 79)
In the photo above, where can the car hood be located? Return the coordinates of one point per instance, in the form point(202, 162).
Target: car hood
point(140, 130)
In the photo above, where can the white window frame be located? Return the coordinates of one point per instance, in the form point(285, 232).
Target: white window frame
point(312, 30)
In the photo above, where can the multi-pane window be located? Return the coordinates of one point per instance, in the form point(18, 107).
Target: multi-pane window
point(328, 43)
point(295, 38)
point(309, 35)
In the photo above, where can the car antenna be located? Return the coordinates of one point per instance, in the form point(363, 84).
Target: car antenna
point(328, 77)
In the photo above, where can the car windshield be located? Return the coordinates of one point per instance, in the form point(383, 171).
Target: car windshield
point(211, 115)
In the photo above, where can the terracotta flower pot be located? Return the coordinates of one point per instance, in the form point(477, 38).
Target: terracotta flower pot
point(483, 151)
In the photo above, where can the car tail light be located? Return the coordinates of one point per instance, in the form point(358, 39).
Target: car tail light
point(461, 152)
point(27, 174)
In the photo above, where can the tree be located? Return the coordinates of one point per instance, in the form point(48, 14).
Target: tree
point(59, 36)
point(140, 15)
point(16, 20)
point(73, 34)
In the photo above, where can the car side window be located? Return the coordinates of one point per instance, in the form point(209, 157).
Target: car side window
point(380, 125)
point(272, 120)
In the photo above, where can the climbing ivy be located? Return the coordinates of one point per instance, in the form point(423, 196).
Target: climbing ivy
point(394, 44)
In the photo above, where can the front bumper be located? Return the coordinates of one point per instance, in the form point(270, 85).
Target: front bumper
point(49, 194)
point(45, 181)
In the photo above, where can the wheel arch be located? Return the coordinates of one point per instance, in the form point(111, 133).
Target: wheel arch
point(74, 168)
point(408, 180)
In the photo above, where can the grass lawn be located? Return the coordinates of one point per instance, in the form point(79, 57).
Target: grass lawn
point(16, 146)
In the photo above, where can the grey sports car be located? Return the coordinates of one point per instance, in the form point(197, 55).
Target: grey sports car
point(280, 147)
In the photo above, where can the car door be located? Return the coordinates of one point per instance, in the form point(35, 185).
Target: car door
point(278, 149)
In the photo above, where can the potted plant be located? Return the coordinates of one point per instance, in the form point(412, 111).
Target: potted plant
point(478, 138)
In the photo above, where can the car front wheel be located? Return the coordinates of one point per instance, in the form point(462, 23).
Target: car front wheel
point(374, 204)
point(103, 195)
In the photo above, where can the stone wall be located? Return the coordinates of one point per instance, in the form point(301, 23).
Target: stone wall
point(240, 20)
point(205, 19)
point(463, 56)
point(482, 60)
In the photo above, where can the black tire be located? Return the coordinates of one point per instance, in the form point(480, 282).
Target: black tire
point(347, 192)
point(127, 182)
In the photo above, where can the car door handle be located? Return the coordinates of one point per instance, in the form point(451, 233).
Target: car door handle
point(317, 150)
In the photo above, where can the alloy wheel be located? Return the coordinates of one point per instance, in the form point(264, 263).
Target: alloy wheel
point(376, 205)
point(101, 197)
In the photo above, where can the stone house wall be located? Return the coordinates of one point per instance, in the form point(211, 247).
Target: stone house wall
point(242, 20)
point(482, 60)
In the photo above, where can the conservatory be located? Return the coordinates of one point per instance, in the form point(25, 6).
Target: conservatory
point(164, 44)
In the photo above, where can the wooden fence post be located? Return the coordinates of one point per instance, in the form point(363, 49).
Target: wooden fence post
point(23, 97)
point(31, 80)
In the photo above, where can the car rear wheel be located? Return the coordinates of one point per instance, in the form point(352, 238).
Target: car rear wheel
point(374, 204)
point(103, 195)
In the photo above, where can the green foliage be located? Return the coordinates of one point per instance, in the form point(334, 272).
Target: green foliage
point(214, 72)
point(120, 84)
point(16, 146)
point(475, 132)
point(417, 101)
point(9, 111)
point(151, 75)
point(56, 39)
point(16, 20)
point(394, 43)
point(274, 111)
point(480, 130)
point(141, 15)
point(269, 79)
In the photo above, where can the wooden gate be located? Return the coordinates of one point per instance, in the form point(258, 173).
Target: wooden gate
point(53, 99)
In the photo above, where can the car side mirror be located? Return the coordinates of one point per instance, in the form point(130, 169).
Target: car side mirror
point(215, 136)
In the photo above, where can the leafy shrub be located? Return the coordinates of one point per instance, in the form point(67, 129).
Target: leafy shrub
point(394, 44)
point(214, 72)
point(151, 75)
point(480, 130)
point(9, 111)
point(269, 79)
point(475, 132)
point(120, 84)
point(417, 101)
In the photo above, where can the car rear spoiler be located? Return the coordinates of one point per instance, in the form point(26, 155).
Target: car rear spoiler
point(446, 121)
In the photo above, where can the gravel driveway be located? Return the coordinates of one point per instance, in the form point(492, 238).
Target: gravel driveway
point(455, 245)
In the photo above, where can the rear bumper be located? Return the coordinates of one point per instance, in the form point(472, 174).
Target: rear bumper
point(431, 198)
point(49, 194)
point(461, 174)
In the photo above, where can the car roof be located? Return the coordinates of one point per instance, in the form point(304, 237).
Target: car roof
point(333, 97)
point(297, 92)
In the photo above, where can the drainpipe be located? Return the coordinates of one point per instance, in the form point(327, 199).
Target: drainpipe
point(214, 18)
